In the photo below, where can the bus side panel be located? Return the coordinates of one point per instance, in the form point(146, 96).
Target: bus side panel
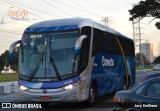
point(108, 71)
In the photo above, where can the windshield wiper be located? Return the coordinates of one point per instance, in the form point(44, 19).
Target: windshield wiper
point(55, 68)
point(33, 73)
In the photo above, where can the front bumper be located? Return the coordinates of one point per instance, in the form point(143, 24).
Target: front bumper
point(56, 95)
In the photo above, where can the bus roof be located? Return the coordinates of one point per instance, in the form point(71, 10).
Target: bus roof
point(67, 24)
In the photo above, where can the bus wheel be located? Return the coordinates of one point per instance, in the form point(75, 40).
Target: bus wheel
point(92, 94)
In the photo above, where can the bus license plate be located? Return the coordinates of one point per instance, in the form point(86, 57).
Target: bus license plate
point(45, 98)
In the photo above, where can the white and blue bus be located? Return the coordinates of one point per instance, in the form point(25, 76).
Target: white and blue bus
point(70, 60)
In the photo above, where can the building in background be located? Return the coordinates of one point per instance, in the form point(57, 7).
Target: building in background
point(158, 49)
point(147, 50)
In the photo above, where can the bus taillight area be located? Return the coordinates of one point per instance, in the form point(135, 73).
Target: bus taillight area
point(67, 93)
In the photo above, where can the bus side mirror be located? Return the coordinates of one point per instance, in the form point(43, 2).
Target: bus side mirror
point(79, 44)
point(11, 49)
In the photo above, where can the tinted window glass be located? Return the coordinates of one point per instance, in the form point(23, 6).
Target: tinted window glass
point(84, 55)
point(140, 90)
point(154, 90)
point(113, 46)
point(127, 46)
point(98, 37)
point(104, 42)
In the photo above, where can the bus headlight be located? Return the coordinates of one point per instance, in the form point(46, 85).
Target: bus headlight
point(70, 86)
point(23, 88)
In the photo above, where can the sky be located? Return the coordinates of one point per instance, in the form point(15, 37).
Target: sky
point(41, 10)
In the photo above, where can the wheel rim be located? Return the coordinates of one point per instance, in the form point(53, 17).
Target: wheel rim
point(92, 95)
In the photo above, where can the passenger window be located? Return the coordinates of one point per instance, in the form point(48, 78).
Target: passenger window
point(104, 42)
point(154, 90)
point(127, 46)
point(98, 36)
point(112, 44)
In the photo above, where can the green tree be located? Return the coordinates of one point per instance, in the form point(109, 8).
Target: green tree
point(13, 64)
point(3, 59)
point(147, 8)
point(1, 64)
point(156, 60)
point(138, 58)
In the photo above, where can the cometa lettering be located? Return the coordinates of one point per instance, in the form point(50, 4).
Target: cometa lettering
point(107, 62)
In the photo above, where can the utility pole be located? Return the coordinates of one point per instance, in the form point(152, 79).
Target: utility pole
point(140, 40)
point(106, 21)
point(2, 21)
point(134, 34)
point(137, 39)
point(134, 39)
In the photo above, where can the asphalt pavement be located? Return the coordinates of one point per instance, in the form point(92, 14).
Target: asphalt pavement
point(12, 97)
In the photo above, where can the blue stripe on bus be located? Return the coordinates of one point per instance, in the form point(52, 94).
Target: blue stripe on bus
point(49, 29)
point(49, 85)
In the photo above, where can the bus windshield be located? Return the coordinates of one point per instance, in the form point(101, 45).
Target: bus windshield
point(48, 56)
